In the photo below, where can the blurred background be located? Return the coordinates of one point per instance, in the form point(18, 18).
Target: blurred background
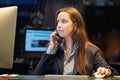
point(102, 24)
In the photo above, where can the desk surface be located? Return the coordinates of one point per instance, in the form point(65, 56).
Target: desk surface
point(36, 77)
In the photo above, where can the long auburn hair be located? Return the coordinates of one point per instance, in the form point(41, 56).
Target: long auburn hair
point(79, 37)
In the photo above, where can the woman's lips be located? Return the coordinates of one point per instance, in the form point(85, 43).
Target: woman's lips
point(60, 30)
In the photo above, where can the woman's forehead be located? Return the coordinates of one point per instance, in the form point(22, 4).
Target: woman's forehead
point(63, 15)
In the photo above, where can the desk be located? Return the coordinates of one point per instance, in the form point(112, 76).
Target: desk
point(36, 77)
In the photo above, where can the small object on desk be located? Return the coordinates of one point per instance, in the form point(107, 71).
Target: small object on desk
point(8, 76)
point(14, 75)
point(99, 76)
point(4, 76)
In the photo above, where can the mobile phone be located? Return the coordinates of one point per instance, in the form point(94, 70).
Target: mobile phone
point(58, 39)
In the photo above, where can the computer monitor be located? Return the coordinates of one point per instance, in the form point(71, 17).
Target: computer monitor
point(8, 17)
point(36, 40)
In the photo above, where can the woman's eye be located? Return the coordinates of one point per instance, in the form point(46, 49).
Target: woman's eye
point(64, 21)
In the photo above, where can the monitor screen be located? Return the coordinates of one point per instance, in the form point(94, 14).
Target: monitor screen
point(8, 19)
point(36, 40)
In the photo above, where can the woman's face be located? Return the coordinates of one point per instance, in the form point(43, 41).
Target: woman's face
point(64, 24)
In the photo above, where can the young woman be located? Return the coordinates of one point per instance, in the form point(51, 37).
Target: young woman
point(74, 55)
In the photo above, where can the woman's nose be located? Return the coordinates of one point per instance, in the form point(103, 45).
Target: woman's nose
point(59, 25)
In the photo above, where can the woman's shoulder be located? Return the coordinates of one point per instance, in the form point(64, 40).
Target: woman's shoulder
point(92, 47)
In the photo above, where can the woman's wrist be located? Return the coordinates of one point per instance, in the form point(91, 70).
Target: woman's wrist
point(50, 50)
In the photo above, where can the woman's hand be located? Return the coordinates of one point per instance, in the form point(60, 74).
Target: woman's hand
point(103, 71)
point(52, 47)
point(53, 42)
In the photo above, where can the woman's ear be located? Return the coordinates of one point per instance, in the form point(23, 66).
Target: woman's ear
point(75, 26)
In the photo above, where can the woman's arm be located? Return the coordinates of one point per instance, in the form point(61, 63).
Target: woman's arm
point(102, 67)
point(45, 64)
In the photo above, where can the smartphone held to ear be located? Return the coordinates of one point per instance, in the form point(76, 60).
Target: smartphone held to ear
point(58, 39)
